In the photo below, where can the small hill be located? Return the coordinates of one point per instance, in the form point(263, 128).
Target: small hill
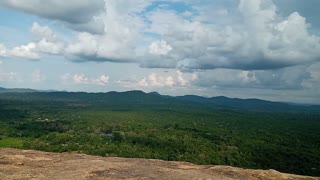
point(29, 164)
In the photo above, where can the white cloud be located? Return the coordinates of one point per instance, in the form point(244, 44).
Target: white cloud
point(85, 44)
point(25, 51)
point(103, 80)
point(121, 37)
point(159, 48)
point(134, 84)
point(45, 46)
point(37, 76)
point(258, 44)
point(83, 79)
point(156, 80)
point(169, 81)
point(9, 76)
point(247, 76)
point(190, 44)
point(3, 51)
point(44, 41)
point(80, 79)
point(42, 32)
point(181, 79)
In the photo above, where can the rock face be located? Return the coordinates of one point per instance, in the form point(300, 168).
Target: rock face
point(29, 164)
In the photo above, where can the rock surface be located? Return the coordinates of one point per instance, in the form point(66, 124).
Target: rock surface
point(30, 164)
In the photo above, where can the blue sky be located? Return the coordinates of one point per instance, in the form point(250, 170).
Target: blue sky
point(238, 48)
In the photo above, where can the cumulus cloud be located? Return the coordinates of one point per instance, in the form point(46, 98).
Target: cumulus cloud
point(121, 37)
point(261, 39)
point(308, 10)
point(159, 48)
point(155, 80)
point(256, 37)
point(42, 32)
point(24, 51)
point(83, 79)
point(78, 14)
point(44, 41)
point(265, 41)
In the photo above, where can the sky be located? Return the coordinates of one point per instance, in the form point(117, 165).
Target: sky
point(267, 49)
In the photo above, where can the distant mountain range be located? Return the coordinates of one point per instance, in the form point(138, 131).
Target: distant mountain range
point(16, 90)
point(22, 90)
point(134, 98)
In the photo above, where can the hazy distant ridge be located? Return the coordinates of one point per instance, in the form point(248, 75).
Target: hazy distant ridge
point(154, 98)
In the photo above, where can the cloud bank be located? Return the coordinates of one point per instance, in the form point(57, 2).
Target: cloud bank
point(257, 37)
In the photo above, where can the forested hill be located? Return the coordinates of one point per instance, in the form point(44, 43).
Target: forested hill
point(140, 98)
